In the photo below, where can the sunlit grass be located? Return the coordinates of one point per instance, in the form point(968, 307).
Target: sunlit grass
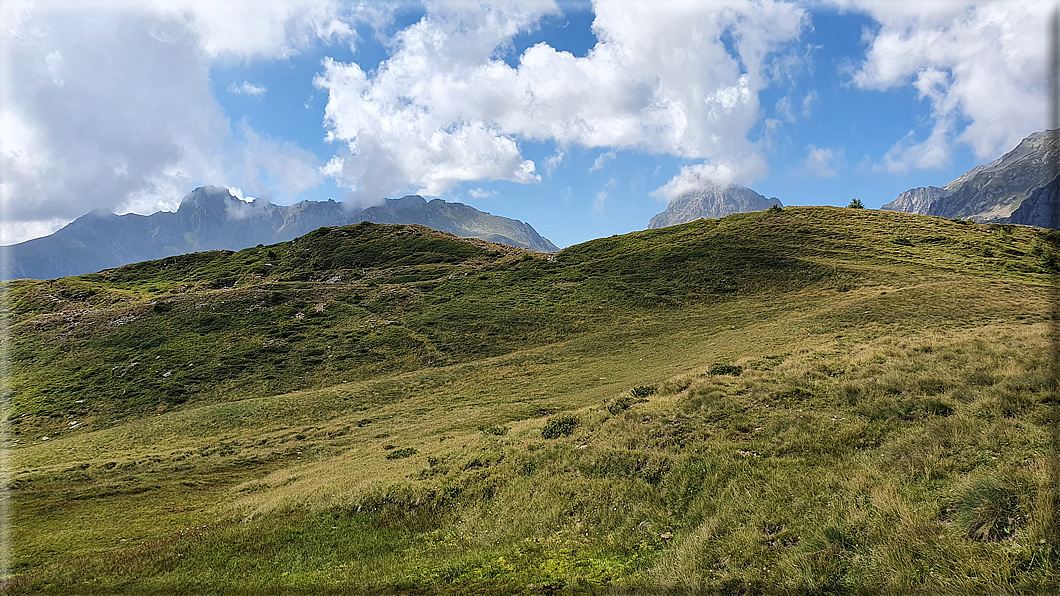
point(829, 411)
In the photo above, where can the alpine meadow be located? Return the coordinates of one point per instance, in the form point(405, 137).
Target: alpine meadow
point(796, 400)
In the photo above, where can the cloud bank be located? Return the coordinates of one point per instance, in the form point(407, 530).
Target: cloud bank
point(109, 105)
point(677, 78)
point(979, 65)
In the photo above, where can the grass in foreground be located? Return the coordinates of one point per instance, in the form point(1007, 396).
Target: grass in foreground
point(814, 413)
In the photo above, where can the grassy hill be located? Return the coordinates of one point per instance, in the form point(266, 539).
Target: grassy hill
point(807, 399)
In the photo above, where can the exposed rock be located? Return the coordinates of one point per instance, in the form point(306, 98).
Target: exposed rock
point(1011, 189)
point(711, 202)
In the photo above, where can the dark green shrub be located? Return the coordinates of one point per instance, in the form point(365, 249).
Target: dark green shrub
point(222, 282)
point(559, 426)
point(726, 369)
point(1048, 261)
point(623, 403)
point(856, 204)
point(151, 342)
point(401, 453)
point(636, 396)
point(775, 209)
point(1037, 248)
point(642, 391)
point(497, 431)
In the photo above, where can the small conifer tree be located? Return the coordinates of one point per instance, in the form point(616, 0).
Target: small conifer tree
point(856, 204)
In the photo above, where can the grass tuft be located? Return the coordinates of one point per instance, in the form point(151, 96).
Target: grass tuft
point(991, 509)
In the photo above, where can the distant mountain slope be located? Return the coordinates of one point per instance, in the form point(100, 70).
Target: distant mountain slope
point(210, 218)
point(1012, 189)
point(711, 202)
point(458, 219)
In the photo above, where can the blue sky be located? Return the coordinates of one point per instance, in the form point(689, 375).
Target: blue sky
point(579, 118)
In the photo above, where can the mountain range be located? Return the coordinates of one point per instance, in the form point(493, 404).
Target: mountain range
point(1017, 188)
point(211, 218)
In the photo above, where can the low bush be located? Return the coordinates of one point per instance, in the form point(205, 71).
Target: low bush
point(401, 453)
point(726, 369)
point(623, 403)
point(560, 426)
point(642, 391)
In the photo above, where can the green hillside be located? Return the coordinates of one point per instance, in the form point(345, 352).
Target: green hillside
point(798, 400)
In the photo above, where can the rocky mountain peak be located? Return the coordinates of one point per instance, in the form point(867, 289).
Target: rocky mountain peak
point(408, 202)
point(711, 202)
point(1002, 191)
point(205, 196)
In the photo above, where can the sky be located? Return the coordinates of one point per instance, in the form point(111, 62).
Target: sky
point(580, 118)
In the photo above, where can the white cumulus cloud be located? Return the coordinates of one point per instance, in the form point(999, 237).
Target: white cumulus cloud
point(445, 108)
point(480, 193)
point(255, 29)
point(247, 88)
point(822, 162)
point(979, 64)
point(698, 176)
point(109, 105)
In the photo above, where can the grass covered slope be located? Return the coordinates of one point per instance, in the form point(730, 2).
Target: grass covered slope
point(808, 399)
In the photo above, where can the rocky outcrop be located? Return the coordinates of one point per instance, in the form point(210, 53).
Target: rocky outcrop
point(919, 200)
point(711, 202)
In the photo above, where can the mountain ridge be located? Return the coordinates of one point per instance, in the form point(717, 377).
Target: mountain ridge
point(211, 218)
point(1015, 188)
